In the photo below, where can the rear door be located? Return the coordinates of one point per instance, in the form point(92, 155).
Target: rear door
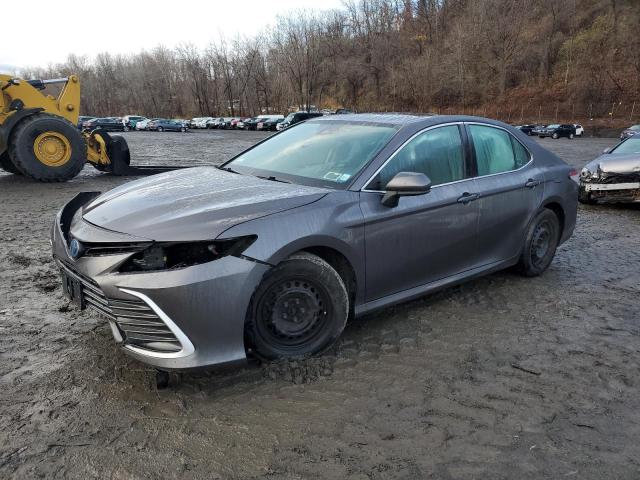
point(427, 237)
point(511, 187)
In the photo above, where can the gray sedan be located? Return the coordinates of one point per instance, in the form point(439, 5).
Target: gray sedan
point(614, 176)
point(269, 255)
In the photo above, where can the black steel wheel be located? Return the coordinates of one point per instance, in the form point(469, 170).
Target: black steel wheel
point(7, 165)
point(299, 309)
point(540, 243)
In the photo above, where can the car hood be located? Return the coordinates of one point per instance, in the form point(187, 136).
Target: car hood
point(193, 204)
point(616, 163)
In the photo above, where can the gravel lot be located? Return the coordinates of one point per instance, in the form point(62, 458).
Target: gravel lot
point(500, 378)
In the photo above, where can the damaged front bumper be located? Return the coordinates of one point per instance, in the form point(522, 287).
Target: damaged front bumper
point(184, 318)
point(627, 192)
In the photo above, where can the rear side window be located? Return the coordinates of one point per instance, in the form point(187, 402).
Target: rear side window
point(496, 151)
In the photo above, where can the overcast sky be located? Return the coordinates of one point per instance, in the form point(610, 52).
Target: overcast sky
point(44, 32)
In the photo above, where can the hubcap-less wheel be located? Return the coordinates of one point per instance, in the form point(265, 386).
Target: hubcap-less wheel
point(52, 149)
point(291, 312)
point(540, 243)
point(300, 308)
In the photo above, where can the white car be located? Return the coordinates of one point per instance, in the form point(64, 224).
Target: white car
point(142, 125)
point(579, 129)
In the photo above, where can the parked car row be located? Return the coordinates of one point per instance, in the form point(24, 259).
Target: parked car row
point(554, 130)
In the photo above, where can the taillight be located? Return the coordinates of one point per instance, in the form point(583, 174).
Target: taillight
point(573, 173)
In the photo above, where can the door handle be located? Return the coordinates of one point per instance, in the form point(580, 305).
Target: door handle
point(468, 197)
point(531, 183)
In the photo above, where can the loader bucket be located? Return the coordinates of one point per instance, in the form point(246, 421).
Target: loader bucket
point(119, 158)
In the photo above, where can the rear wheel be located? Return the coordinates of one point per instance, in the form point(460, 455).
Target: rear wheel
point(183, 130)
point(571, 136)
point(160, 129)
point(540, 243)
point(7, 165)
point(554, 136)
point(300, 308)
point(47, 148)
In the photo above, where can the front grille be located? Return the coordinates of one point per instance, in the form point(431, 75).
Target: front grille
point(139, 325)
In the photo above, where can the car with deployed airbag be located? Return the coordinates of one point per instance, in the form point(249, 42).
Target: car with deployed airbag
point(269, 254)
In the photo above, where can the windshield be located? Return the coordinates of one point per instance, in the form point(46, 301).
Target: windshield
point(554, 126)
point(327, 153)
point(289, 117)
point(631, 145)
point(634, 127)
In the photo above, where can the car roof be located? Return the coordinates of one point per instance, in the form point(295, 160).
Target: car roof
point(406, 121)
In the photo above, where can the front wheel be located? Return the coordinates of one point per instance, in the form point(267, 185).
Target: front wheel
point(554, 136)
point(299, 309)
point(540, 244)
point(183, 130)
point(160, 129)
point(47, 148)
point(126, 129)
point(571, 136)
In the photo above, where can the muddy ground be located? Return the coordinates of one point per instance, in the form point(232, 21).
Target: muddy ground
point(501, 378)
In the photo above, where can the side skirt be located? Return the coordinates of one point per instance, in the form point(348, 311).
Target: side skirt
point(419, 291)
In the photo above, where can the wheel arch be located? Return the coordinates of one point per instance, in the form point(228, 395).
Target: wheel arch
point(341, 256)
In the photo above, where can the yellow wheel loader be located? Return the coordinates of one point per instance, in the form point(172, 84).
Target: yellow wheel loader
point(39, 138)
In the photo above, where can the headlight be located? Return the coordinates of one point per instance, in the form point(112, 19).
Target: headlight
point(171, 256)
point(586, 174)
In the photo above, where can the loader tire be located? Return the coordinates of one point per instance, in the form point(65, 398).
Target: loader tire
point(47, 148)
point(7, 165)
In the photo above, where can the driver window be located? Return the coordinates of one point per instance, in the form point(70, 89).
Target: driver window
point(437, 153)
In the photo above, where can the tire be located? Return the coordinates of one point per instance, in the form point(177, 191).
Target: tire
point(7, 165)
point(540, 244)
point(160, 129)
point(303, 289)
point(585, 197)
point(22, 146)
point(126, 129)
point(183, 130)
point(571, 136)
point(554, 136)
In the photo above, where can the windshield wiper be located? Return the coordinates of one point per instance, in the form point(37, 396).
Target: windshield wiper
point(273, 179)
point(229, 169)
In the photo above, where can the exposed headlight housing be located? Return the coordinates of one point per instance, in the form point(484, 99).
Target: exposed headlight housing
point(171, 256)
point(586, 174)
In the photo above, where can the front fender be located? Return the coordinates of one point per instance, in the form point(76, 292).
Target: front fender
point(334, 222)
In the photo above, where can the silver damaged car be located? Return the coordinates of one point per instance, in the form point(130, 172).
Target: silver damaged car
point(271, 253)
point(614, 176)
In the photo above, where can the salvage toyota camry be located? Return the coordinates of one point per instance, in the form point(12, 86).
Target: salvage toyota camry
point(269, 254)
point(614, 176)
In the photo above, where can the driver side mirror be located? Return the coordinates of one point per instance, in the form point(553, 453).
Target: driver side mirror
point(606, 150)
point(405, 184)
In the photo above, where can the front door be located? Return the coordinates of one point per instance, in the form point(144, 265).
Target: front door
point(426, 237)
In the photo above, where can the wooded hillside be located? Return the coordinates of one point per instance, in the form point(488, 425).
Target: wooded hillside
point(511, 59)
